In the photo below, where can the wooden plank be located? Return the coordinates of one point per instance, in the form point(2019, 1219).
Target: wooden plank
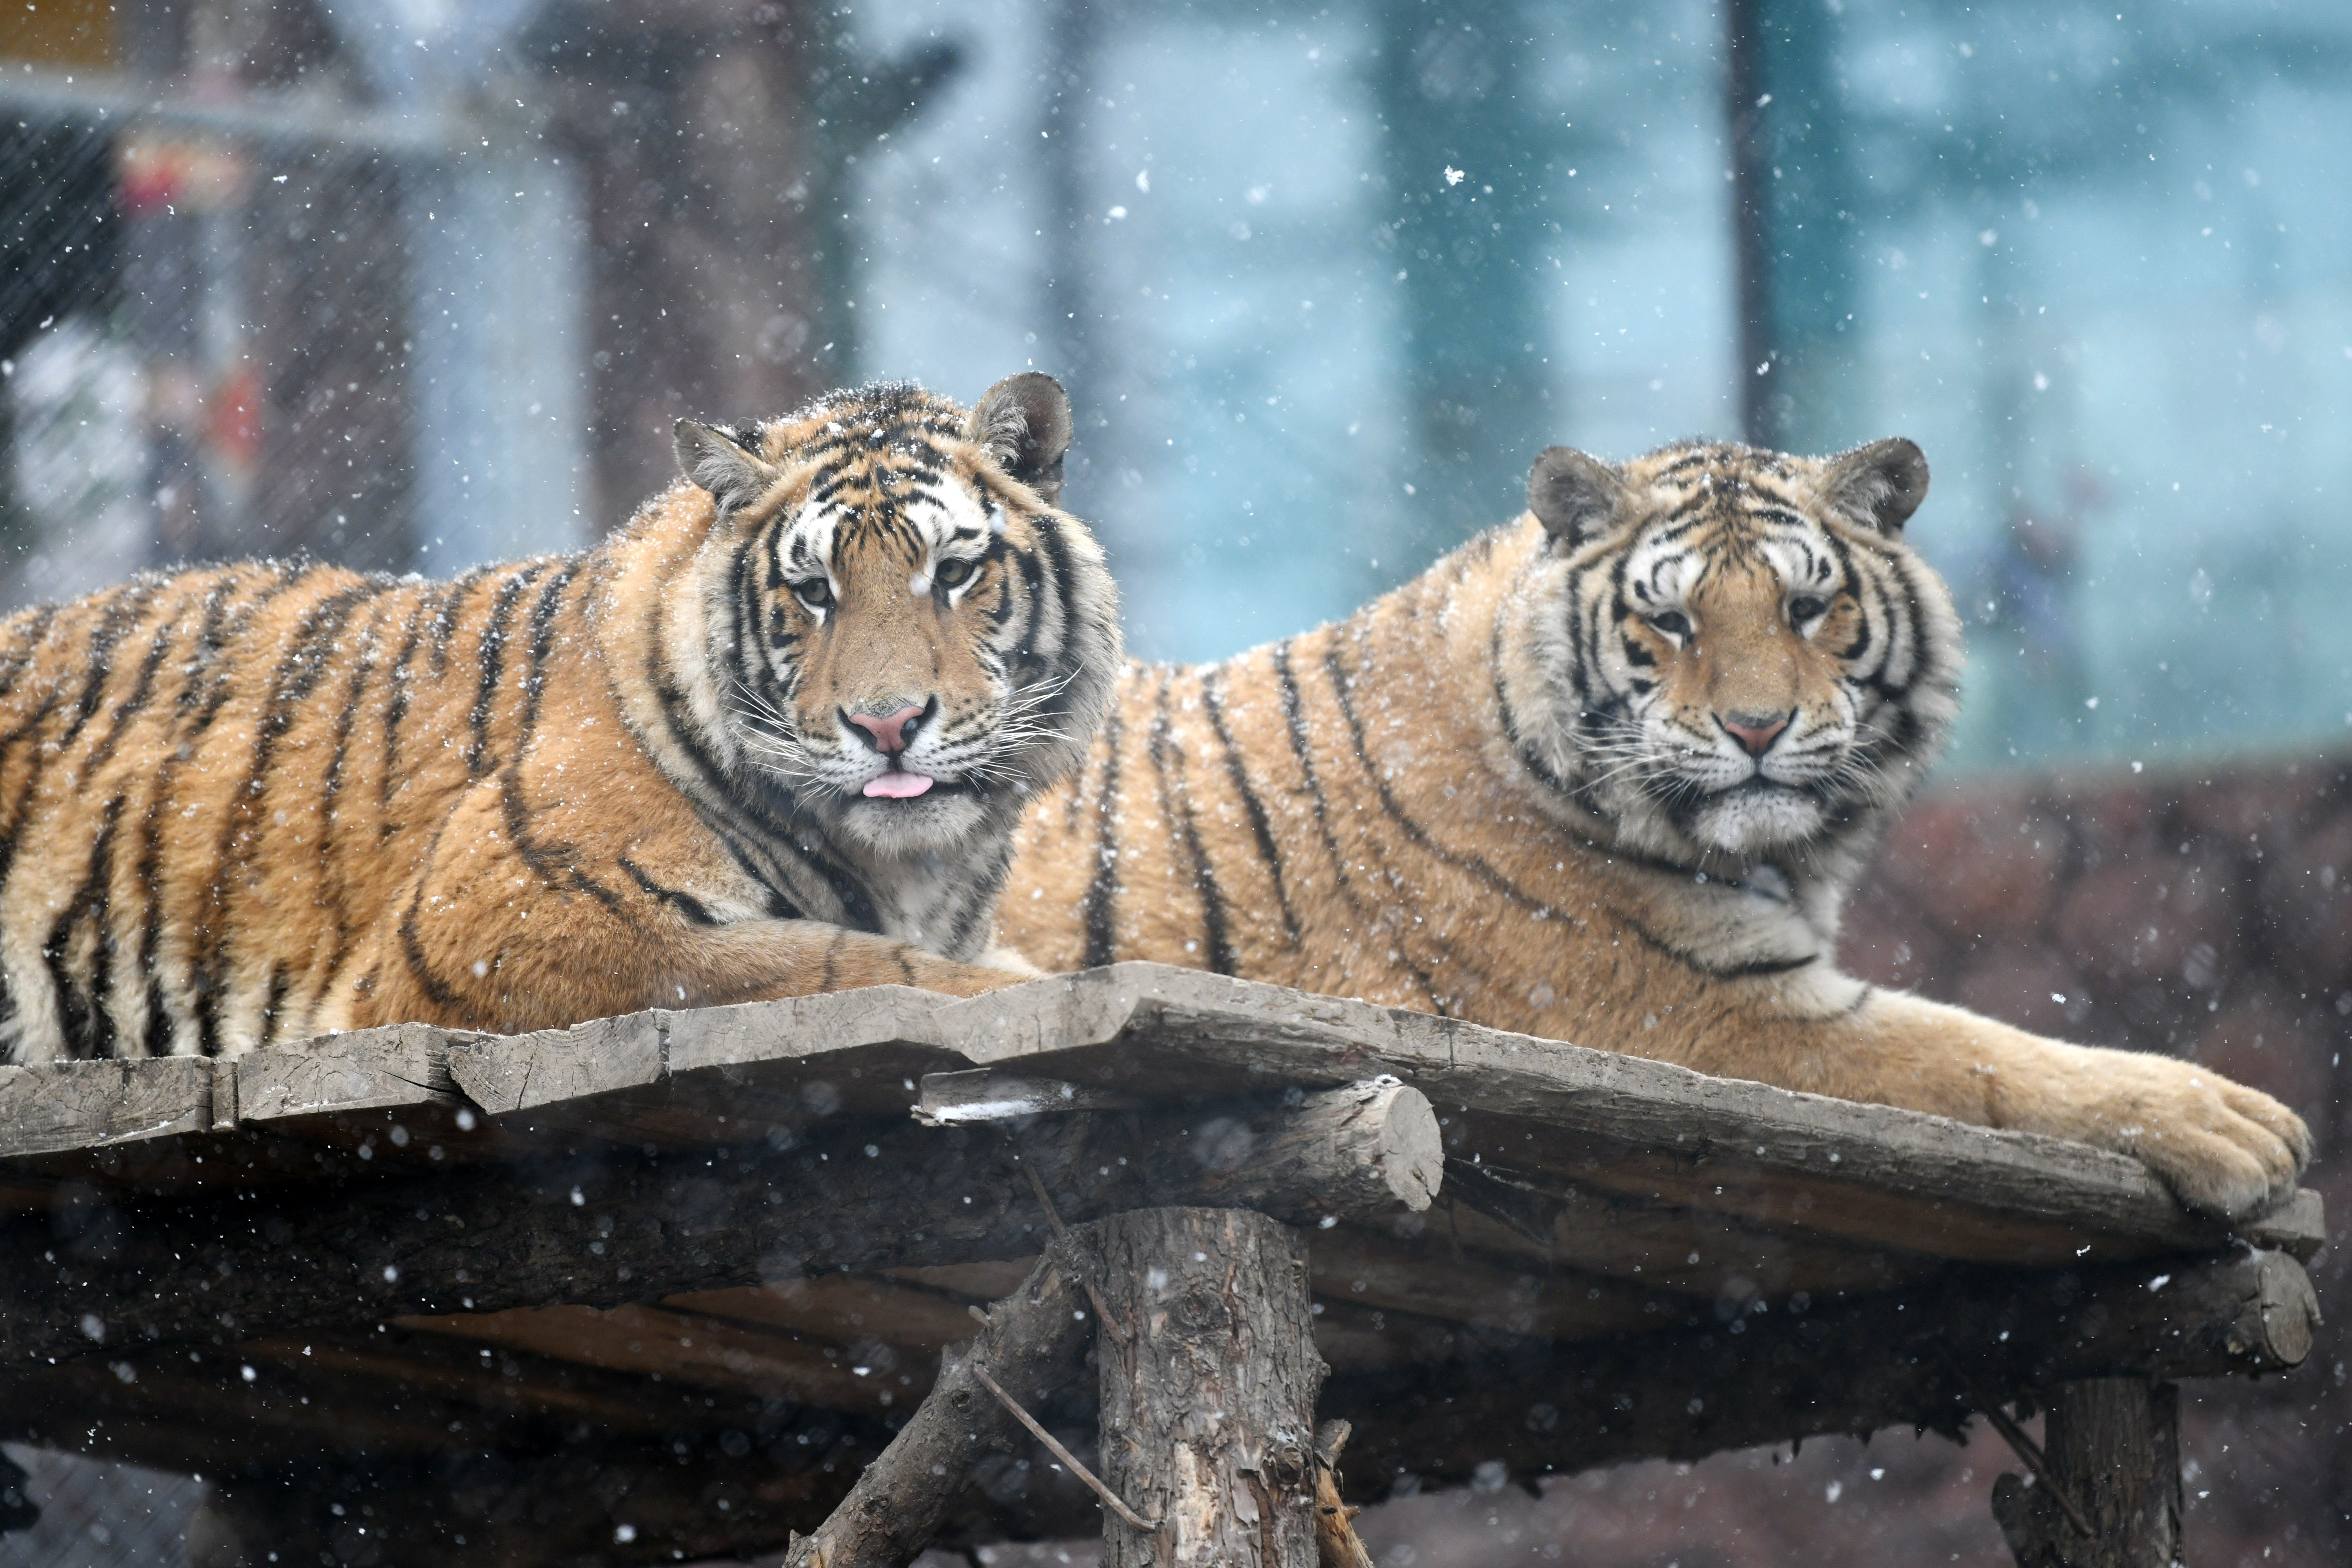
point(1870, 1174)
point(56, 1107)
point(404, 1066)
point(737, 1046)
point(504, 1074)
point(2298, 1226)
point(1867, 1173)
point(691, 1079)
point(704, 1351)
point(847, 1308)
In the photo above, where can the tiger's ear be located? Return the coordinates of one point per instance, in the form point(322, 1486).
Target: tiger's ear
point(721, 464)
point(1880, 484)
point(1024, 422)
point(1575, 497)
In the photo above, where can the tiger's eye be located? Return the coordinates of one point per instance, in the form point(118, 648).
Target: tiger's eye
point(816, 594)
point(1673, 622)
point(1803, 610)
point(953, 573)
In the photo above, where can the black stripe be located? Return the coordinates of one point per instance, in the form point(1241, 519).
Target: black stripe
point(1512, 734)
point(720, 801)
point(305, 663)
point(333, 866)
point(142, 692)
point(542, 642)
point(1261, 828)
point(492, 654)
point(553, 864)
point(1102, 889)
point(685, 903)
point(1175, 803)
point(413, 950)
point(273, 1007)
point(24, 654)
point(396, 709)
point(979, 896)
point(117, 615)
point(1294, 717)
point(1471, 865)
point(82, 1017)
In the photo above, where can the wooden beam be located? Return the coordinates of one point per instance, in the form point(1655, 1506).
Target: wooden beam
point(2110, 1462)
point(852, 1195)
point(1209, 1377)
point(1370, 1146)
point(1928, 1357)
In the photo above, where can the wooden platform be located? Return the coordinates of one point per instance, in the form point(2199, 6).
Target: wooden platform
point(659, 1283)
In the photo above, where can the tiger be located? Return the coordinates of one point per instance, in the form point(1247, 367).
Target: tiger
point(769, 737)
point(1605, 774)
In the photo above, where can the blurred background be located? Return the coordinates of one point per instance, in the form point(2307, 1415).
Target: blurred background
point(415, 283)
point(412, 284)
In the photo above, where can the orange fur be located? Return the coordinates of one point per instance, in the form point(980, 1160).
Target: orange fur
point(250, 803)
point(1506, 792)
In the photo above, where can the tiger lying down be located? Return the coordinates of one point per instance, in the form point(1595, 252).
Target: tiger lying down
point(772, 738)
point(1602, 775)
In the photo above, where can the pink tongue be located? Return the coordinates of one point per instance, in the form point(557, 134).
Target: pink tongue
point(895, 786)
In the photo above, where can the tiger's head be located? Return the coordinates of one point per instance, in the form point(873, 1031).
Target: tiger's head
point(1731, 653)
point(917, 637)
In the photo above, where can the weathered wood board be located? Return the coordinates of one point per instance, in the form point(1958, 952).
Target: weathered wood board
point(723, 1230)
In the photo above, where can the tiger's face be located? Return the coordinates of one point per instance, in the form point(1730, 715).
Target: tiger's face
point(917, 638)
point(1730, 652)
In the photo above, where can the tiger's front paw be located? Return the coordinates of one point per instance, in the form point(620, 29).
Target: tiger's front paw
point(2220, 1146)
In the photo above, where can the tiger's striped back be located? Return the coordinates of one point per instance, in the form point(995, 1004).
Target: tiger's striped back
point(245, 804)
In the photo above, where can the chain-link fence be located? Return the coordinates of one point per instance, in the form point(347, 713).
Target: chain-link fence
point(206, 340)
point(93, 1514)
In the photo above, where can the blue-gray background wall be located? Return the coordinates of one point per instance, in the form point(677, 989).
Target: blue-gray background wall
point(2098, 267)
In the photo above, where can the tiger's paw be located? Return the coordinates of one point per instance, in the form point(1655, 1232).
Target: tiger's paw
point(2222, 1147)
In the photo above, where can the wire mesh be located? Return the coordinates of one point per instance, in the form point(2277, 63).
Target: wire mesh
point(202, 342)
point(94, 1514)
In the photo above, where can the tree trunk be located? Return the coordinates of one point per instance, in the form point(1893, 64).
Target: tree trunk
point(2111, 1445)
point(1208, 1379)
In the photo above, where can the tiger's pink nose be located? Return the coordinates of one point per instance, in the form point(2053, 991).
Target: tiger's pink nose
point(887, 733)
point(1755, 731)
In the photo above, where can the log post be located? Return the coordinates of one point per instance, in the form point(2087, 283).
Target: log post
point(1208, 1401)
point(2112, 1446)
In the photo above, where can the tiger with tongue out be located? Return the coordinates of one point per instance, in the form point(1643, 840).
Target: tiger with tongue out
point(1605, 774)
point(769, 739)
